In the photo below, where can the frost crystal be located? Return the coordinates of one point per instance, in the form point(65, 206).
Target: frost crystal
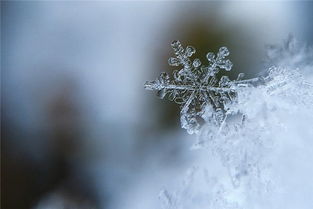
point(195, 86)
point(244, 121)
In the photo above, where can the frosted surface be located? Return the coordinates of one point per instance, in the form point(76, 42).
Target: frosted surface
point(251, 130)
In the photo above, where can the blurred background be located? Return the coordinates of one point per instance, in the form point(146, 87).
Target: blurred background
point(78, 129)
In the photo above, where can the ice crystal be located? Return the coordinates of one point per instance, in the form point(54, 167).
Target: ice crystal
point(291, 53)
point(195, 86)
point(244, 121)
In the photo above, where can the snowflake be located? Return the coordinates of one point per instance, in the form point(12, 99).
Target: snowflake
point(196, 86)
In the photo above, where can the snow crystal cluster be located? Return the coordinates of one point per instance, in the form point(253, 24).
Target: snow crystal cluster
point(241, 125)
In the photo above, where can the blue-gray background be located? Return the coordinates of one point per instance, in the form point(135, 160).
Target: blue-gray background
point(78, 129)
